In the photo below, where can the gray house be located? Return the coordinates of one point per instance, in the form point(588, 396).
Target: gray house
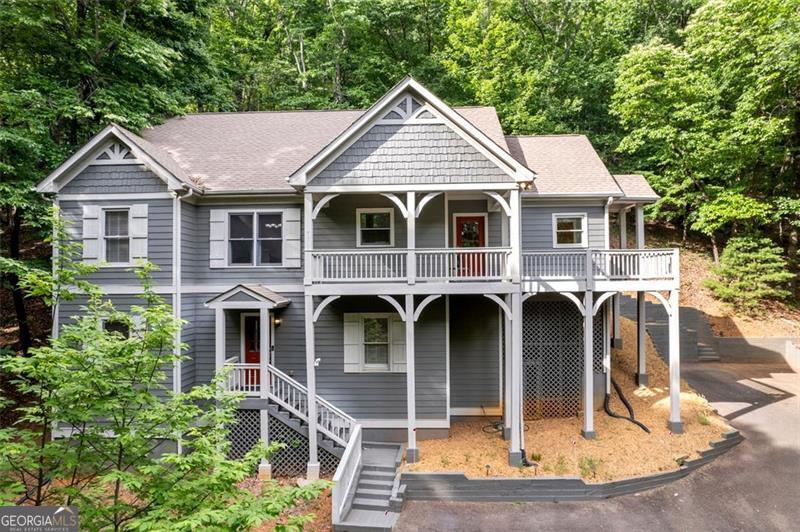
point(369, 276)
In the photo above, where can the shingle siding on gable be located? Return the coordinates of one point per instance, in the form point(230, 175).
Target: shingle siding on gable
point(410, 154)
point(115, 179)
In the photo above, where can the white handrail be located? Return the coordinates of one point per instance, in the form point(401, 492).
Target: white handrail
point(293, 396)
point(605, 264)
point(344, 479)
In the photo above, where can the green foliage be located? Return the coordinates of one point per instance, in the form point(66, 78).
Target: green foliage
point(108, 391)
point(751, 270)
point(589, 466)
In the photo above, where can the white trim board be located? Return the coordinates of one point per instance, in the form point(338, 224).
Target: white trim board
point(403, 423)
point(477, 411)
point(117, 196)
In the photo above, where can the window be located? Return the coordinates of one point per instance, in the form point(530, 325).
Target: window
point(116, 236)
point(255, 238)
point(376, 342)
point(569, 230)
point(117, 327)
point(375, 227)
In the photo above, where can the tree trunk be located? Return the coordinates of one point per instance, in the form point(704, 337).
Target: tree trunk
point(15, 231)
point(714, 248)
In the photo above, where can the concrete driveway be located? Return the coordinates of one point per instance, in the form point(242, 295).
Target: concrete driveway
point(754, 487)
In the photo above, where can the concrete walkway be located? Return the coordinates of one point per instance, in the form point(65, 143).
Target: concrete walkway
point(754, 487)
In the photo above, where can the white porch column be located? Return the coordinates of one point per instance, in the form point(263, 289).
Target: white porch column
point(219, 338)
point(507, 374)
point(411, 236)
point(675, 425)
point(311, 384)
point(641, 317)
point(515, 452)
point(264, 330)
point(514, 237)
point(308, 237)
point(412, 453)
point(588, 367)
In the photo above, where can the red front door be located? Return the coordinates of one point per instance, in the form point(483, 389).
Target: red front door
point(252, 355)
point(470, 233)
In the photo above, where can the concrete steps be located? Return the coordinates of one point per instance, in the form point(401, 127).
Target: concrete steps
point(376, 505)
point(697, 340)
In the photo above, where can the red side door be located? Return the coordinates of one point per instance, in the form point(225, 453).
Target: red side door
point(470, 233)
point(252, 355)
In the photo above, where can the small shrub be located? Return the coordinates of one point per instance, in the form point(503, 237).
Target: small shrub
point(589, 466)
point(750, 271)
point(561, 466)
point(536, 457)
point(467, 457)
point(444, 461)
point(703, 418)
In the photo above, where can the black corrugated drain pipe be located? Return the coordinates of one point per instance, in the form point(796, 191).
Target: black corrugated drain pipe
point(630, 417)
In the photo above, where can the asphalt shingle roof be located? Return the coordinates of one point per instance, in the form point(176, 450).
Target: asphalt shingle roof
point(564, 165)
point(636, 187)
point(258, 151)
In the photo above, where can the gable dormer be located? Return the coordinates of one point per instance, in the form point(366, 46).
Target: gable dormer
point(411, 138)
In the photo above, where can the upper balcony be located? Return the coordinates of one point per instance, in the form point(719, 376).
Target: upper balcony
point(545, 270)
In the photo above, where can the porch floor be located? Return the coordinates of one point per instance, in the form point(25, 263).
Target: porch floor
point(621, 449)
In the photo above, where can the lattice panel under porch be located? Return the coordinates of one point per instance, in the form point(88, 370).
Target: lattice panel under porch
point(552, 358)
point(291, 461)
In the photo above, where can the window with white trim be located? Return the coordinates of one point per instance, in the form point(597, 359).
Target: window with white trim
point(115, 327)
point(374, 342)
point(375, 227)
point(116, 236)
point(569, 230)
point(255, 238)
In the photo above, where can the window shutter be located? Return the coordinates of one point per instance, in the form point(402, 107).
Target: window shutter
point(353, 343)
point(291, 238)
point(216, 236)
point(91, 233)
point(138, 231)
point(398, 348)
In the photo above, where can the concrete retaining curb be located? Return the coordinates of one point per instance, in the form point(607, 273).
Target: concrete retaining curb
point(457, 487)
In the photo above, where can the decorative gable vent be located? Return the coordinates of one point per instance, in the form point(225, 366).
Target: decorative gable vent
point(116, 153)
point(408, 110)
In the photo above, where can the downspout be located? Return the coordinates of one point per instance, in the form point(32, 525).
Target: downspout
point(177, 384)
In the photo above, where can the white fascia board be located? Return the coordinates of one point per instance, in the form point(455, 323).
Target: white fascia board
point(518, 171)
point(455, 187)
point(70, 168)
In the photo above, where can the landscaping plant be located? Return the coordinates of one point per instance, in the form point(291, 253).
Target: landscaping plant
point(751, 270)
point(134, 455)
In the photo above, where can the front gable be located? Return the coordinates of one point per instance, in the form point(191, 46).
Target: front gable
point(113, 151)
point(411, 144)
point(411, 137)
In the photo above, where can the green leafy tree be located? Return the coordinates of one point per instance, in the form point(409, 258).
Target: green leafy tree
point(751, 270)
point(106, 387)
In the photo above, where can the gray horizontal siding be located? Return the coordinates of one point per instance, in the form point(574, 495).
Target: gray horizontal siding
point(159, 239)
point(195, 257)
point(366, 395)
point(188, 338)
point(430, 225)
point(114, 179)
point(410, 154)
point(336, 225)
point(67, 310)
point(537, 225)
point(474, 352)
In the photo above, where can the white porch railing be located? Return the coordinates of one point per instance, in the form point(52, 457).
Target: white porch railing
point(293, 396)
point(610, 265)
point(462, 264)
point(439, 264)
point(346, 474)
point(358, 265)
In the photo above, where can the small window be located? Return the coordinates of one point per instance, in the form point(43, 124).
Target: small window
point(569, 230)
point(116, 236)
point(375, 227)
point(255, 239)
point(117, 327)
point(376, 342)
